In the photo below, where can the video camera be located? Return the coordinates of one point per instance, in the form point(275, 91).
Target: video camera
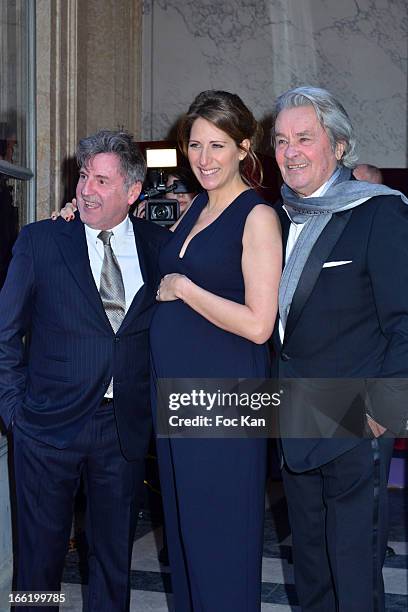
point(159, 209)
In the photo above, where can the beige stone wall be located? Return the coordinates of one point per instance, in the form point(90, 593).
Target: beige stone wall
point(88, 78)
point(108, 65)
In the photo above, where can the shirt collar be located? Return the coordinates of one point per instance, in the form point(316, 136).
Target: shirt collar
point(119, 231)
point(323, 188)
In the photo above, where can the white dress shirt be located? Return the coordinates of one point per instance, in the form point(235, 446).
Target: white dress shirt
point(124, 247)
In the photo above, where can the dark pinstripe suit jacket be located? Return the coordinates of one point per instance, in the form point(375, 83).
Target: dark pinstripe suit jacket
point(52, 389)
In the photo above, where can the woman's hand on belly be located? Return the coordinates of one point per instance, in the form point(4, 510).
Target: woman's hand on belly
point(170, 287)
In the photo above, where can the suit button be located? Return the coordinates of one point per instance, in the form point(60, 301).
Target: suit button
point(117, 339)
point(285, 357)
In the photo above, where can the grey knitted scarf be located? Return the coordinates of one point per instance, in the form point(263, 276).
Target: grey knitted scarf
point(316, 213)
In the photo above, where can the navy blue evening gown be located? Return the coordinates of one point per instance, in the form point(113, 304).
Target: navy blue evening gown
point(213, 489)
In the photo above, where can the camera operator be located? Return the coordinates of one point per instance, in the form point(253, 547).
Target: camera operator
point(185, 179)
point(181, 187)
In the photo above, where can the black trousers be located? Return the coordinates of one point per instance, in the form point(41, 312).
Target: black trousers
point(339, 519)
point(47, 479)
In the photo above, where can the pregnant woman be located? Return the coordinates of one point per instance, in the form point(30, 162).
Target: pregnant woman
point(217, 308)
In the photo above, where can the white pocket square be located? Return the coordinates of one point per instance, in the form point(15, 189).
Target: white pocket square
point(332, 264)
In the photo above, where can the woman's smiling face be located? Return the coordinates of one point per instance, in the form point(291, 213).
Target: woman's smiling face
point(213, 155)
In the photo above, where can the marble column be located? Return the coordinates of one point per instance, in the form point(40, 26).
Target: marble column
point(88, 78)
point(56, 35)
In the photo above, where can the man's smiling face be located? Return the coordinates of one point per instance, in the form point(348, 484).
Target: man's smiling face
point(103, 198)
point(303, 150)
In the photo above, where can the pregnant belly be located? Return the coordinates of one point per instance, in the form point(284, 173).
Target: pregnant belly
point(184, 344)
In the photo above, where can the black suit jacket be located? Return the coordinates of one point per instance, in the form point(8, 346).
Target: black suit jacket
point(50, 293)
point(350, 321)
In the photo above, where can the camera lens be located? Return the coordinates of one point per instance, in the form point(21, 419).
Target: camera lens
point(161, 212)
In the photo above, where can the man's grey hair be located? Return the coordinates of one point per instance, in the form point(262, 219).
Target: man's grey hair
point(121, 143)
point(330, 113)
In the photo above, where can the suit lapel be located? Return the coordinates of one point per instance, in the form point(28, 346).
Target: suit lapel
point(71, 241)
point(285, 224)
point(319, 254)
point(147, 254)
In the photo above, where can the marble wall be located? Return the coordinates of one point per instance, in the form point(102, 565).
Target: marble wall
point(259, 48)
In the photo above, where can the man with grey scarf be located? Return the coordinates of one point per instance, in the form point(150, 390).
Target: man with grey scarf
point(343, 315)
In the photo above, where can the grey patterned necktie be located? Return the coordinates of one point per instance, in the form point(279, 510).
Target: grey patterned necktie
point(111, 289)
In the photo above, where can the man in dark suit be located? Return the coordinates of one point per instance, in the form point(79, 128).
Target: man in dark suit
point(343, 314)
point(78, 400)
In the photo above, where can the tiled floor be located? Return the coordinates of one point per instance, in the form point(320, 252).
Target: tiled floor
point(151, 586)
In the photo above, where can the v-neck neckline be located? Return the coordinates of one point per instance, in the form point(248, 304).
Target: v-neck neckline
point(187, 242)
